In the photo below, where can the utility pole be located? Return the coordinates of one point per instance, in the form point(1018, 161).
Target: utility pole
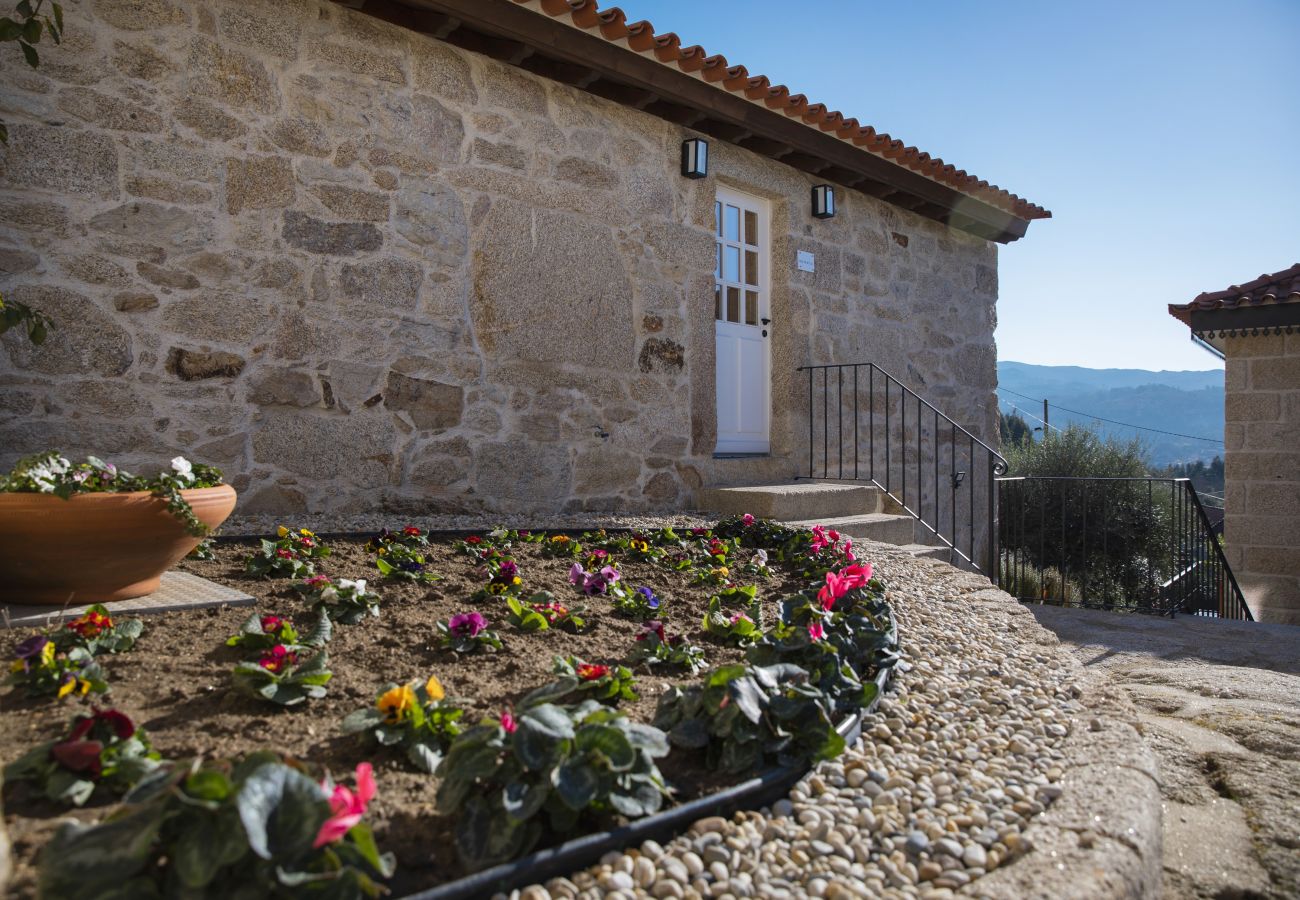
point(1044, 418)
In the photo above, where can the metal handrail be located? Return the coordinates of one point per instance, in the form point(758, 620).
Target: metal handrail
point(1134, 543)
point(896, 439)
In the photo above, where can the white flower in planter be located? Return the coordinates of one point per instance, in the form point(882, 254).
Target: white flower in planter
point(184, 471)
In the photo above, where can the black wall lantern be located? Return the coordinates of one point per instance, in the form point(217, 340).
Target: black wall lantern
point(695, 158)
point(823, 201)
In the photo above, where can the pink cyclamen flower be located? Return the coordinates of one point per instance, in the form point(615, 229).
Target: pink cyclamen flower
point(508, 721)
point(747, 520)
point(347, 806)
point(857, 575)
point(816, 631)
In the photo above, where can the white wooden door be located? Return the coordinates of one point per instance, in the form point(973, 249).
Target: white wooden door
point(742, 314)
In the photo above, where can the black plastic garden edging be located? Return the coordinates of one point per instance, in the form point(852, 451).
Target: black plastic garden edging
point(579, 853)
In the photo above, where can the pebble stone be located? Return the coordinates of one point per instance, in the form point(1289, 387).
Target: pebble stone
point(961, 754)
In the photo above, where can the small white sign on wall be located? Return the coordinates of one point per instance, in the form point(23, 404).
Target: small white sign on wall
point(805, 261)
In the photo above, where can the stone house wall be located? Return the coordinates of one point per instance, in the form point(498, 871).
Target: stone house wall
point(360, 268)
point(1262, 472)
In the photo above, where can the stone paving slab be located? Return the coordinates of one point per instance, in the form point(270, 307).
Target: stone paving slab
point(1220, 707)
point(178, 591)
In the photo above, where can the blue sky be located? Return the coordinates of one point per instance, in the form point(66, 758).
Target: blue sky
point(1164, 137)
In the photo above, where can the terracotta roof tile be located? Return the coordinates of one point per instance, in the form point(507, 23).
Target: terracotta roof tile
point(611, 24)
point(1280, 287)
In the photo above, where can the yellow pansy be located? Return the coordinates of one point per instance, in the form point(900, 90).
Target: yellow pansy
point(16, 666)
point(560, 539)
point(722, 572)
point(305, 533)
point(47, 654)
point(516, 580)
point(66, 688)
point(396, 704)
point(433, 687)
point(282, 531)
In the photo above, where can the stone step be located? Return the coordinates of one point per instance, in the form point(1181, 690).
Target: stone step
point(882, 527)
point(927, 551)
point(787, 502)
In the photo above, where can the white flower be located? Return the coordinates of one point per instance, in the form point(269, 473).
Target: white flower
point(330, 593)
point(358, 586)
point(43, 477)
point(761, 557)
point(58, 465)
point(184, 471)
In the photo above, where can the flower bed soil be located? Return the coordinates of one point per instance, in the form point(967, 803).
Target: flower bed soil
point(176, 684)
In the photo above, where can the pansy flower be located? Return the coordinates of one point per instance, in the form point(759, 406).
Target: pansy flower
point(654, 626)
point(35, 651)
point(650, 599)
point(747, 520)
point(473, 539)
point(508, 721)
point(397, 704)
point(469, 624)
point(433, 687)
point(411, 531)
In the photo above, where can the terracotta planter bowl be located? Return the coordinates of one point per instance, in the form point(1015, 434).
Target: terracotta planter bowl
point(95, 548)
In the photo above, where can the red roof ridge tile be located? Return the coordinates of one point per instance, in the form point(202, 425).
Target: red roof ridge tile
point(612, 25)
point(1278, 287)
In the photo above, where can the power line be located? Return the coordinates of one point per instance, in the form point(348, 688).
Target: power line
point(1035, 418)
point(1192, 437)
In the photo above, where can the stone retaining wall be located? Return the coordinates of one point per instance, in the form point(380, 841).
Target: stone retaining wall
point(358, 267)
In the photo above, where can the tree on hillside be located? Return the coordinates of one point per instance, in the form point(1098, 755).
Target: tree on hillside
point(1014, 430)
point(1108, 538)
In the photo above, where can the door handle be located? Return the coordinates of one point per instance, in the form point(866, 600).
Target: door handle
point(766, 321)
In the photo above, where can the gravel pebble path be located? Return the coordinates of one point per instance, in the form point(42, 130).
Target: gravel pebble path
point(966, 751)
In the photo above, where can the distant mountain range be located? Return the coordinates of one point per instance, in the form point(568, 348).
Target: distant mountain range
point(1190, 403)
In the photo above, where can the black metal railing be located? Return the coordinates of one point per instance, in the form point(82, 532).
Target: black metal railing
point(869, 426)
point(1136, 544)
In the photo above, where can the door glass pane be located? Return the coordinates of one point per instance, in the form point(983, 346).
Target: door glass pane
point(717, 264)
point(733, 304)
point(751, 308)
point(731, 263)
point(717, 215)
point(731, 224)
point(751, 267)
point(751, 227)
point(717, 301)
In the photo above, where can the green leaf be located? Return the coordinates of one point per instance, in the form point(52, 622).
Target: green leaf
point(10, 30)
point(748, 697)
point(548, 720)
point(191, 853)
point(208, 784)
point(281, 810)
point(361, 720)
point(424, 757)
point(82, 861)
point(691, 734)
point(58, 15)
point(576, 783)
point(30, 54)
point(32, 31)
point(522, 801)
point(610, 743)
point(321, 633)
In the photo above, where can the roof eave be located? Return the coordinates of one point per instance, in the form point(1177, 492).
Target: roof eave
point(566, 52)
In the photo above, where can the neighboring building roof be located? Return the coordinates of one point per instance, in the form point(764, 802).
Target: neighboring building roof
point(577, 43)
point(1278, 288)
point(612, 25)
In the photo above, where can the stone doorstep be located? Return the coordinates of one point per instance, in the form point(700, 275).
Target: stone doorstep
point(882, 527)
point(178, 591)
point(791, 501)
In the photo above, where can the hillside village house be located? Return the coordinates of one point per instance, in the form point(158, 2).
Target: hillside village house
point(446, 255)
point(1255, 328)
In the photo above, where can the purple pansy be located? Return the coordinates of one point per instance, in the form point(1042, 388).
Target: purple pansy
point(469, 624)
